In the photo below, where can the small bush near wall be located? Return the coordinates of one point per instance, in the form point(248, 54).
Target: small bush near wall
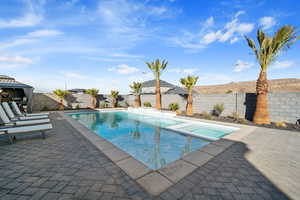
point(147, 104)
point(174, 106)
point(104, 105)
point(218, 109)
point(206, 115)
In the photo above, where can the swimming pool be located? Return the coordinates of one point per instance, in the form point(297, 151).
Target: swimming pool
point(149, 139)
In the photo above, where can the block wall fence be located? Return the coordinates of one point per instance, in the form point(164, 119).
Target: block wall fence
point(282, 106)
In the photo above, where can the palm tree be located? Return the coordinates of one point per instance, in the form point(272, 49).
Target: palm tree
point(136, 87)
point(189, 82)
point(61, 95)
point(93, 93)
point(156, 67)
point(114, 95)
point(267, 52)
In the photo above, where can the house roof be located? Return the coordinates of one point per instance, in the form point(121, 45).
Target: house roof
point(9, 82)
point(173, 88)
point(152, 83)
point(177, 90)
point(77, 90)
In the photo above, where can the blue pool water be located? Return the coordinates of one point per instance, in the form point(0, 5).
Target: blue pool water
point(141, 136)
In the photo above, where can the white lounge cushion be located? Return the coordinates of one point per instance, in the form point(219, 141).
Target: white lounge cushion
point(34, 117)
point(3, 116)
point(36, 114)
point(19, 113)
point(8, 111)
point(31, 122)
point(16, 108)
point(24, 129)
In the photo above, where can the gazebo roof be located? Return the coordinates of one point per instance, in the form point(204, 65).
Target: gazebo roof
point(9, 82)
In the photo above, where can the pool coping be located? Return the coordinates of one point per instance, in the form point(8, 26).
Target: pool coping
point(157, 181)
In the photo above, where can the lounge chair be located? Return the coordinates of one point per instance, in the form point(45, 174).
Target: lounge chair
point(17, 111)
point(13, 131)
point(12, 116)
point(7, 122)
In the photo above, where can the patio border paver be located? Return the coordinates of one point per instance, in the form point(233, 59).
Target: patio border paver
point(157, 181)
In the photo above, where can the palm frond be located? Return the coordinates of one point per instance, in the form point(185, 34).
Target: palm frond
point(114, 93)
point(271, 47)
point(189, 82)
point(136, 87)
point(157, 67)
point(93, 92)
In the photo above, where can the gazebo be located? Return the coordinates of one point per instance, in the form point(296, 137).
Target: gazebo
point(12, 90)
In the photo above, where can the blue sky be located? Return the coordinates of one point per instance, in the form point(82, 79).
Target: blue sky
point(104, 43)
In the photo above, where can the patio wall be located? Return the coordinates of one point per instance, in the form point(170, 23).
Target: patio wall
point(282, 106)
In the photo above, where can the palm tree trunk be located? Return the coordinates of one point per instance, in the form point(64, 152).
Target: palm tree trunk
point(138, 101)
point(158, 95)
point(61, 105)
point(261, 115)
point(94, 102)
point(114, 102)
point(189, 105)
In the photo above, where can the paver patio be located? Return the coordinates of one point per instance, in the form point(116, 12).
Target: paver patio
point(67, 166)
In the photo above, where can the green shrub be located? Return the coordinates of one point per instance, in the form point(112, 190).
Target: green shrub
point(234, 115)
point(77, 106)
point(228, 91)
point(126, 104)
point(104, 105)
point(119, 105)
point(218, 109)
point(173, 106)
point(45, 108)
point(147, 104)
point(206, 115)
point(242, 121)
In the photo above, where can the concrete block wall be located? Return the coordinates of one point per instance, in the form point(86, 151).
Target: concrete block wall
point(165, 100)
point(282, 106)
point(232, 103)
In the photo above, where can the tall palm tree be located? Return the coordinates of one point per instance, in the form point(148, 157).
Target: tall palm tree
point(93, 93)
point(189, 82)
point(114, 95)
point(136, 90)
point(61, 95)
point(267, 52)
point(157, 67)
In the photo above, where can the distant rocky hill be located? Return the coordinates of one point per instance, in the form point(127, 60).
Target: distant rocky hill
point(275, 85)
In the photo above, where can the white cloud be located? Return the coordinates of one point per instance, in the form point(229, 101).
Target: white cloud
point(28, 20)
point(234, 40)
point(158, 11)
point(231, 31)
point(116, 57)
point(267, 22)
point(128, 21)
point(242, 66)
point(123, 69)
point(209, 22)
point(214, 79)
point(126, 55)
point(184, 71)
point(70, 3)
point(11, 62)
point(73, 75)
point(282, 64)
point(15, 59)
point(44, 33)
point(17, 42)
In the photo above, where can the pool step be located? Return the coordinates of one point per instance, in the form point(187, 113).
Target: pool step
point(178, 127)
